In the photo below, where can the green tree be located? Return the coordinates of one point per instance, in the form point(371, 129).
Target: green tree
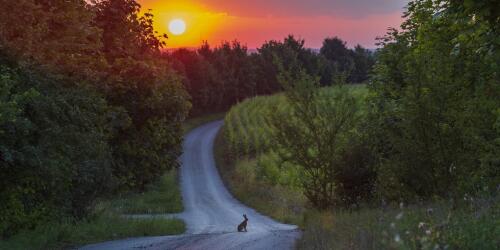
point(145, 86)
point(55, 159)
point(338, 57)
point(57, 35)
point(314, 133)
point(363, 61)
point(435, 100)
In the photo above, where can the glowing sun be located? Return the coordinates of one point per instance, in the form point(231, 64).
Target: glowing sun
point(177, 26)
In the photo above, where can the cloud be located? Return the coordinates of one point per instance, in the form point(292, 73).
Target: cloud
point(343, 8)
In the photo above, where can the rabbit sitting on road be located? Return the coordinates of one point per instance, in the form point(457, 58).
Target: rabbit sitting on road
point(243, 226)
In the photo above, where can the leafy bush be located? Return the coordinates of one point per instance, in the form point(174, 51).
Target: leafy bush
point(55, 156)
point(89, 107)
point(434, 102)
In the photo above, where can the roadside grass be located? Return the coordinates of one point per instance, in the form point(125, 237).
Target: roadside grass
point(244, 142)
point(413, 227)
point(194, 122)
point(160, 198)
point(69, 234)
point(107, 221)
point(276, 201)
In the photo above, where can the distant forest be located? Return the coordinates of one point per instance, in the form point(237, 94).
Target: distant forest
point(216, 78)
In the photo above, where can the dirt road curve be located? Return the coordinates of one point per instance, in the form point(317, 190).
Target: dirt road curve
point(211, 213)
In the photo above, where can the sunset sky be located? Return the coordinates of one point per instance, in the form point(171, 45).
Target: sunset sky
point(253, 22)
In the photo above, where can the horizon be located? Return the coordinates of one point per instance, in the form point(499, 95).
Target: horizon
point(215, 21)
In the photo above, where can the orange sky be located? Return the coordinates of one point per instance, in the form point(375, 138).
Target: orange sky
point(257, 21)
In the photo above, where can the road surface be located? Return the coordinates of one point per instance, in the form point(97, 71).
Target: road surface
point(211, 213)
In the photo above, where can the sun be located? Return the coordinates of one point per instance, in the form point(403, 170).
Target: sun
point(177, 26)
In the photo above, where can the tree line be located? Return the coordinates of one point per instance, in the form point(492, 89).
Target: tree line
point(217, 78)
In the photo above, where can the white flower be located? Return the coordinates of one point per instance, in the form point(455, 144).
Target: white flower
point(397, 238)
point(421, 225)
point(399, 216)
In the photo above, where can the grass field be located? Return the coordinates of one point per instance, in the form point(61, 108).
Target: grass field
point(259, 178)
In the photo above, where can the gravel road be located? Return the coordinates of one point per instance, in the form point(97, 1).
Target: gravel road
point(211, 213)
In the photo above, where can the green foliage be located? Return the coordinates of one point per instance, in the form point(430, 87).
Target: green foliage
point(216, 78)
point(425, 226)
point(219, 77)
point(161, 197)
point(249, 132)
point(71, 234)
point(54, 152)
point(89, 107)
point(434, 100)
point(337, 59)
point(143, 84)
point(315, 133)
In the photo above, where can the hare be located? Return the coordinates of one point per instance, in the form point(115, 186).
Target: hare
point(243, 226)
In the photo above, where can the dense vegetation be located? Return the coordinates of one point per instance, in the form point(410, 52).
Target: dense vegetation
point(219, 77)
point(425, 134)
point(88, 108)
point(91, 107)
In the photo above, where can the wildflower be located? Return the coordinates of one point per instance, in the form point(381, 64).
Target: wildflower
point(421, 225)
point(428, 232)
point(399, 216)
point(397, 238)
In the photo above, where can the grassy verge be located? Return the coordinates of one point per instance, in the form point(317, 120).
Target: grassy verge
point(107, 222)
point(160, 198)
point(431, 226)
point(194, 122)
point(66, 235)
point(276, 201)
